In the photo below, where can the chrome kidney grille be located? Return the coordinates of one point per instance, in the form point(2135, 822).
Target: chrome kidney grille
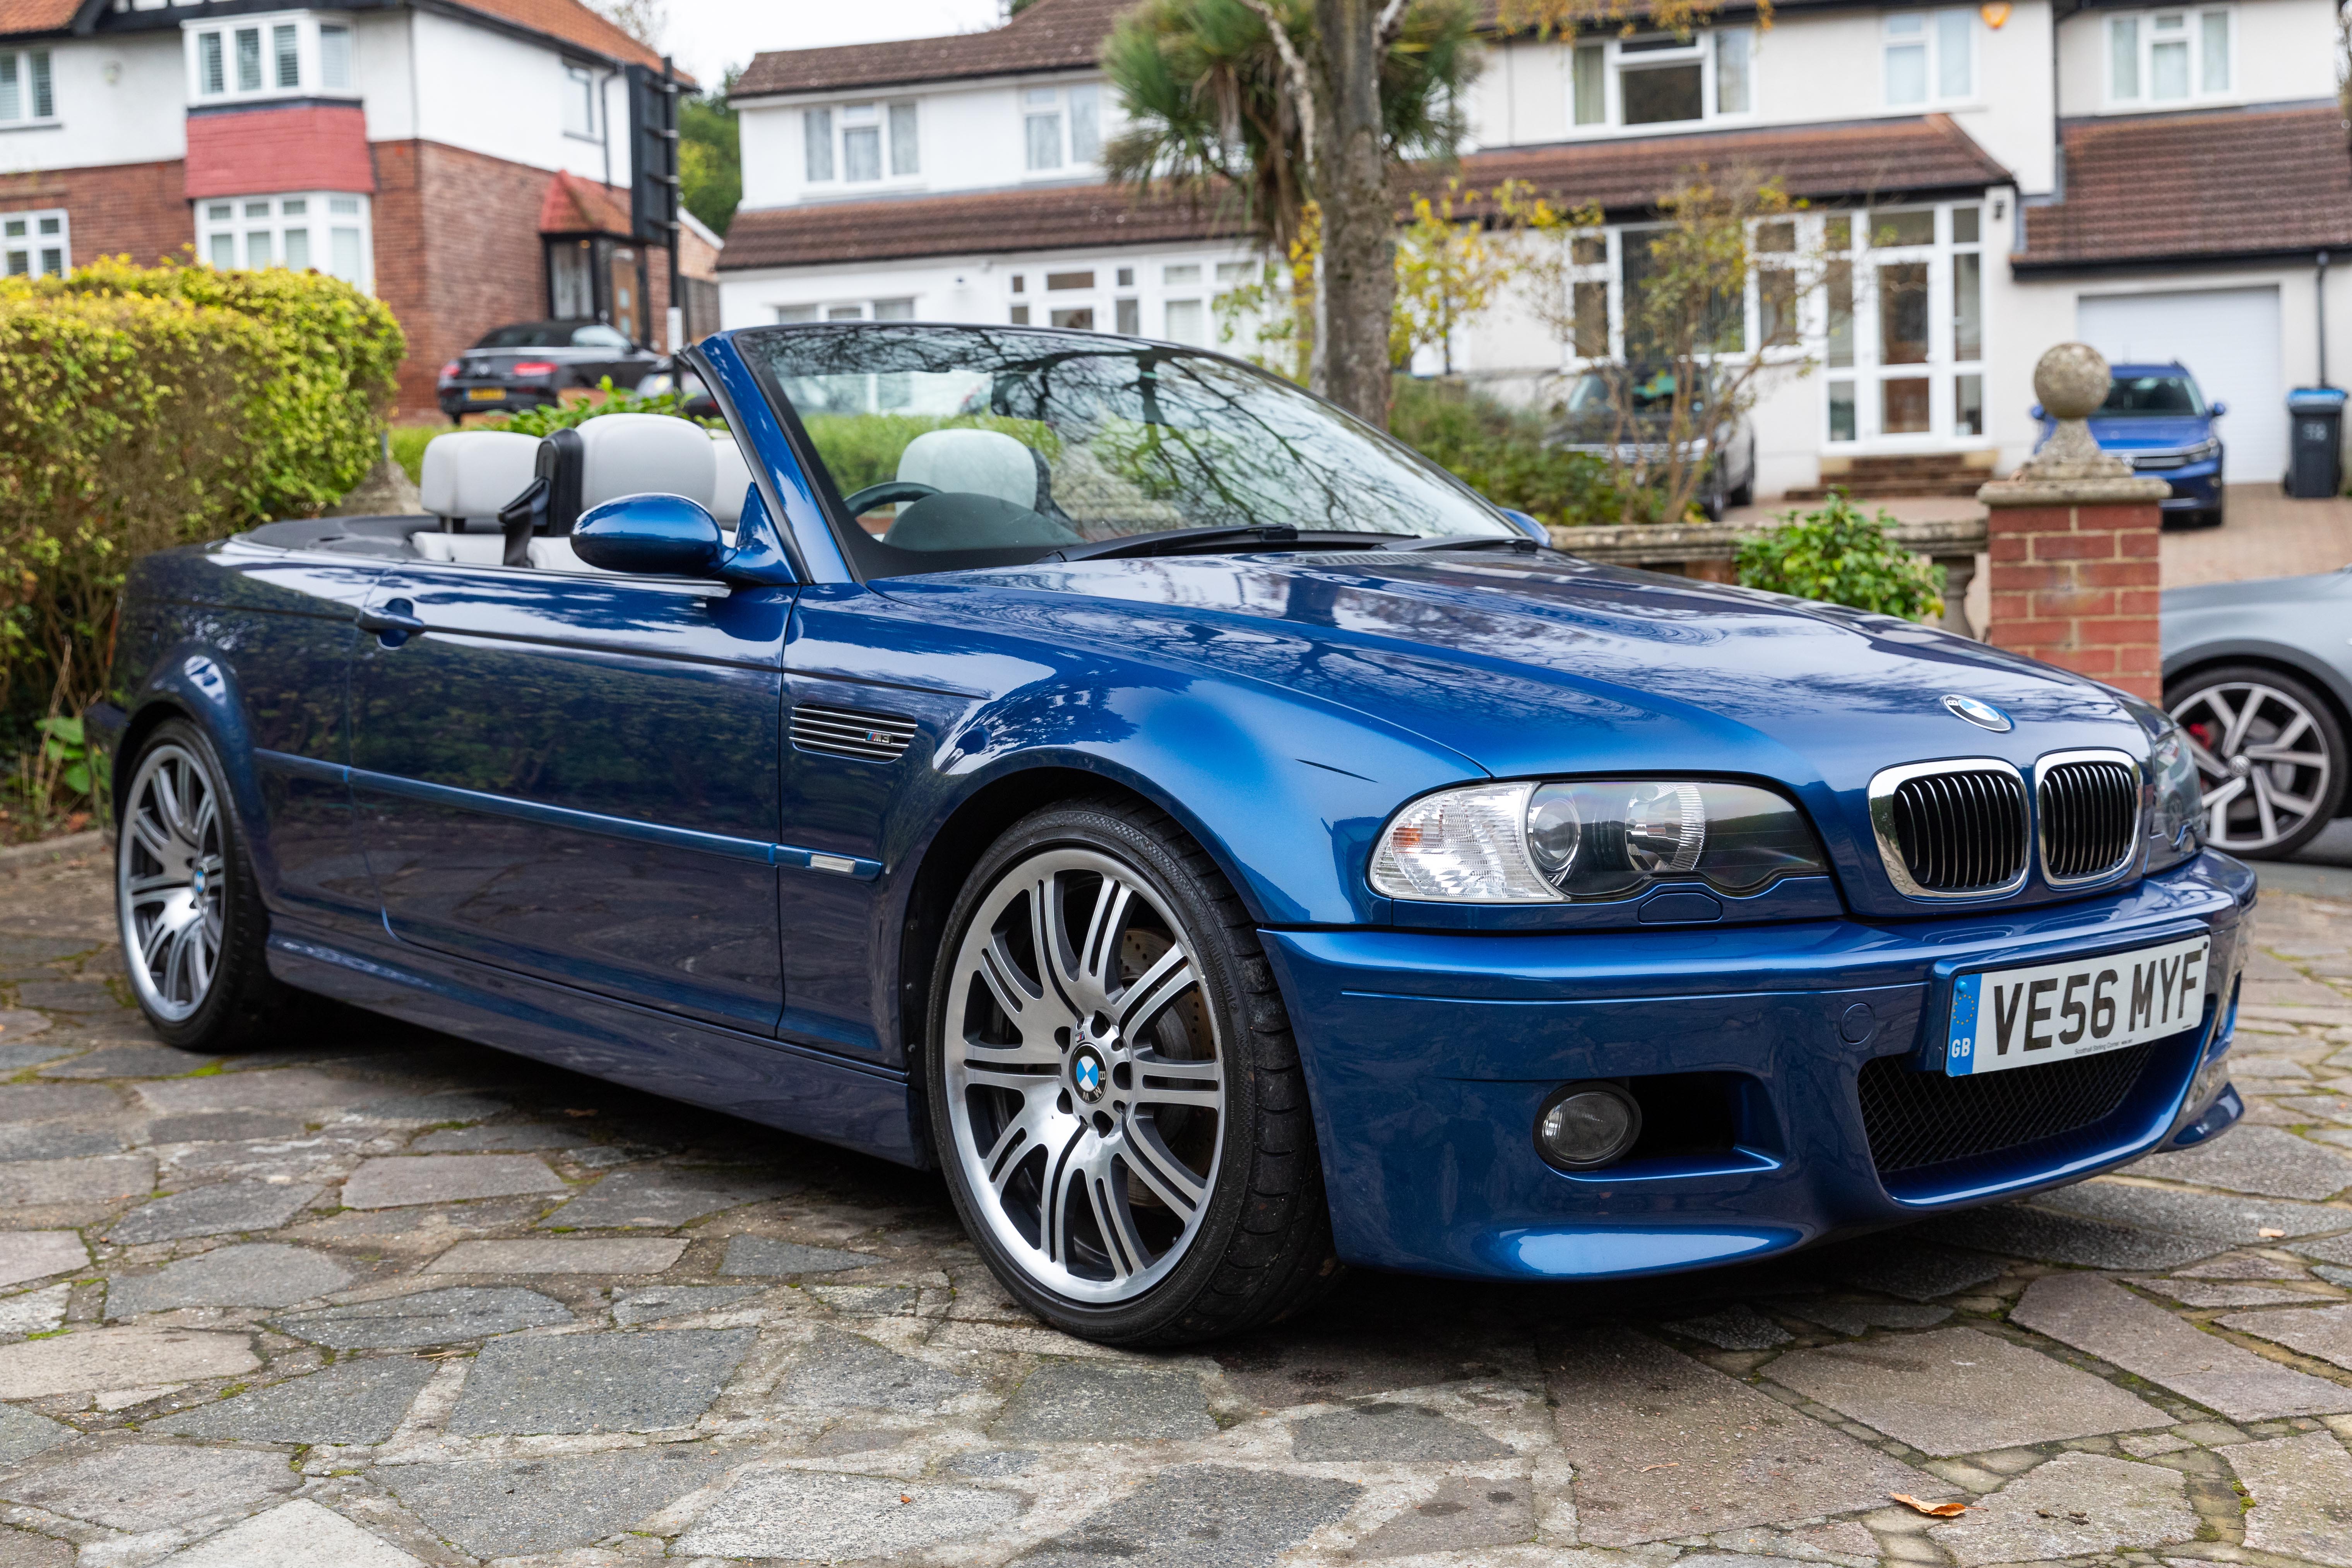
point(845, 732)
point(2089, 808)
point(1951, 830)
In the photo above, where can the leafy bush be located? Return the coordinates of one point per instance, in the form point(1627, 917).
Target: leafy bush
point(1501, 452)
point(409, 441)
point(1840, 557)
point(143, 407)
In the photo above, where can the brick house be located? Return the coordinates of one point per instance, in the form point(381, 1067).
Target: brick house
point(2161, 180)
point(469, 162)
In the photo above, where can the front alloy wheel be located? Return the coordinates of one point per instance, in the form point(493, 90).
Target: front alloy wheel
point(2269, 758)
point(1114, 1088)
point(169, 882)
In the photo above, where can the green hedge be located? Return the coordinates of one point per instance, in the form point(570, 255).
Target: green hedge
point(1501, 452)
point(1840, 557)
point(142, 407)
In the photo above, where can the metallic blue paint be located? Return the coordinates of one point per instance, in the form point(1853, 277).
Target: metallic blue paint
point(651, 536)
point(562, 814)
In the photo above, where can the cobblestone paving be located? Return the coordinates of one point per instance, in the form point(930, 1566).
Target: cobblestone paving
point(386, 1298)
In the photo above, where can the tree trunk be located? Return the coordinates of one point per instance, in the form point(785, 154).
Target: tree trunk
point(1358, 288)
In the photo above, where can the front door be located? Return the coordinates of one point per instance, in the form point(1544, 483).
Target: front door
point(574, 776)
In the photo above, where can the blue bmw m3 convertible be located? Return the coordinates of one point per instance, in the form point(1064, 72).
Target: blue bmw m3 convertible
point(1220, 844)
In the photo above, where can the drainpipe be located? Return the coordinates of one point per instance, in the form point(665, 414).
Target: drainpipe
point(2319, 286)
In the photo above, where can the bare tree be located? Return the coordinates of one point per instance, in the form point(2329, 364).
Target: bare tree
point(643, 20)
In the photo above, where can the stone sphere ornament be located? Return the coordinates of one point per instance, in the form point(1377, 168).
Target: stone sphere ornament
point(2072, 381)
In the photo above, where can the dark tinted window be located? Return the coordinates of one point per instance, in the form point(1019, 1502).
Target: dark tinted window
point(529, 335)
point(1651, 391)
point(2173, 394)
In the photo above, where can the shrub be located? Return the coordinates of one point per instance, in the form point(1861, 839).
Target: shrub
point(409, 441)
point(143, 407)
point(1840, 557)
point(1501, 452)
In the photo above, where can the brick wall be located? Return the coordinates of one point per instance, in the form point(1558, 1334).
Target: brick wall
point(136, 209)
point(457, 252)
point(2077, 586)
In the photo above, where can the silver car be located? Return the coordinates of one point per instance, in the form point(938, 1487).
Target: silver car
point(1624, 417)
point(2258, 677)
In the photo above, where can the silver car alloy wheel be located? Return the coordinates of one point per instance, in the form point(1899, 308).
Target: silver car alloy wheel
point(2260, 759)
point(168, 870)
point(1084, 1079)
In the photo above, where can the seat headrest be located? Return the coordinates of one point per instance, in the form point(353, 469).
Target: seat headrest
point(645, 454)
point(473, 473)
point(733, 477)
point(972, 462)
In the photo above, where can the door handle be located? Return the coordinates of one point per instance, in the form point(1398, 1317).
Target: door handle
point(392, 621)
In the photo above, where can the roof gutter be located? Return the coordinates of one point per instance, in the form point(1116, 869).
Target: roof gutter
point(2046, 266)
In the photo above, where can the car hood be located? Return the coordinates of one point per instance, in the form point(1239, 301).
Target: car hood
point(2141, 433)
point(1532, 665)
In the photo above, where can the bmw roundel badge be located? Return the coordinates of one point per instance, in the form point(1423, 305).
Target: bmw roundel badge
point(1087, 1075)
point(1983, 715)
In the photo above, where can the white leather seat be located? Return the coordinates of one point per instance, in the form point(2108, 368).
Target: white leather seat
point(734, 479)
point(473, 473)
point(469, 549)
point(972, 462)
point(645, 454)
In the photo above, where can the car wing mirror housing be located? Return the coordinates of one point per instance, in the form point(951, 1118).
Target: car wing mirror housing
point(1530, 526)
point(651, 536)
point(2217, 410)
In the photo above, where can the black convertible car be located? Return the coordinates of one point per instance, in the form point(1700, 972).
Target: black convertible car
point(528, 365)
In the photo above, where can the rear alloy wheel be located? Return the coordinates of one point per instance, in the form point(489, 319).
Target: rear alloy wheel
point(192, 928)
point(1114, 1089)
point(2270, 757)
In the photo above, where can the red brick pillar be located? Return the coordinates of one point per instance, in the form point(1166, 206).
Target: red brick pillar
point(2072, 539)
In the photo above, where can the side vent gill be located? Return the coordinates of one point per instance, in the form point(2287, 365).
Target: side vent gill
point(845, 732)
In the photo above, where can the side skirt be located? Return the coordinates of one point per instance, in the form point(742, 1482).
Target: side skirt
point(855, 1105)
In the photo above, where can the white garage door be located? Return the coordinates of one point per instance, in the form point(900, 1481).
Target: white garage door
point(2229, 338)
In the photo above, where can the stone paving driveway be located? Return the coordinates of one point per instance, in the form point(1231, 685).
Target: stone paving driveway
point(377, 1297)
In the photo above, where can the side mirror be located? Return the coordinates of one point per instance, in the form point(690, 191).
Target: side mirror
point(1530, 526)
point(2217, 410)
point(2036, 413)
point(651, 536)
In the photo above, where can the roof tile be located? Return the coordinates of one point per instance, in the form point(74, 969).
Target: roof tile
point(1051, 34)
point(2223, 183)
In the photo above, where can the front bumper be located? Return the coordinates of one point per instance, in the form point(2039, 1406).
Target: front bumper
point(2197, 487)
point(1429, 1055)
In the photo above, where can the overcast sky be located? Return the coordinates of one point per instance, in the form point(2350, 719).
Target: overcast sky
point(706, 37)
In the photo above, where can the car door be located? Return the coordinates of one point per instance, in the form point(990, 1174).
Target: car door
point(574, 776)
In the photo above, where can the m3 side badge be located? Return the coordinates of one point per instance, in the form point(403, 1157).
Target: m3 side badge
point(1983, 715)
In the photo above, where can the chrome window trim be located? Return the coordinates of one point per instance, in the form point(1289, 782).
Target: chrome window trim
point(2122, 867)
point(1886, 781)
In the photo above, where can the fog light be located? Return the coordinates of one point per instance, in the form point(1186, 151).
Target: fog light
point(1587, 1124)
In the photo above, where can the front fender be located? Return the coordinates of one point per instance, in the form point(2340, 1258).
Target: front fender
point(195, 682)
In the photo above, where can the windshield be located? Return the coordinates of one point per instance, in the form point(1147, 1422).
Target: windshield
point(529, 335)
point(1653, 392)
point(959, 446)
point(2155, 395)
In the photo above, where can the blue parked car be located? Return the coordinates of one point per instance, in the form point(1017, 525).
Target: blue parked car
point(1219, 843)
point(2157, 419)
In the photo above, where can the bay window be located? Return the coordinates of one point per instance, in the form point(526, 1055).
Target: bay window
point(2170, 57)
point(1662, 78)
point(267, 57)
point(319, 231)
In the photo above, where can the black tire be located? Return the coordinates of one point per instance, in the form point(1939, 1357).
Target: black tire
point(1258, 1247)
point(241, 1003)
point(2291, 706)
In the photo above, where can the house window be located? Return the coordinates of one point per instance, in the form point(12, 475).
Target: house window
point(579, 100)
point(1061, 126)
point(25, 91)
point(268, 56)
point(1907, 324)
point(1930, 58)
point(320, 231)
point(34, 244)
point(335, 58)
point(1660, 79)
point(2169, 56)
point(856, 142)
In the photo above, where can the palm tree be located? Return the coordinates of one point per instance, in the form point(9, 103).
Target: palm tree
point(1214, 105)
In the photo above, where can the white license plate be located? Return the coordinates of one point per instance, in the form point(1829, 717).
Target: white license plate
point(2076, 1008)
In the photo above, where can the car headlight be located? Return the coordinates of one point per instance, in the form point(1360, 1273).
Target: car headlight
point(2173, 815)
point(2203, 450)
point(1586, 839)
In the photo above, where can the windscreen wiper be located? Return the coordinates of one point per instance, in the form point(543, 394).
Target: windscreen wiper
point(1517, 544)
point(1215, 540)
